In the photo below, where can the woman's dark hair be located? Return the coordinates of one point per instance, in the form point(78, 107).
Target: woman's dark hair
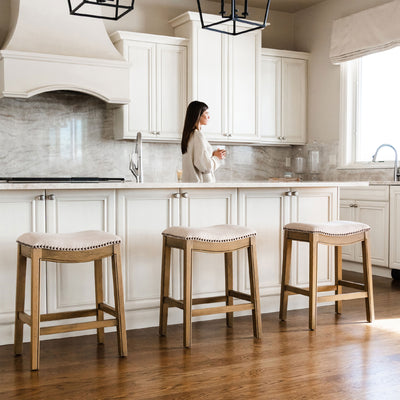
point(193, 113)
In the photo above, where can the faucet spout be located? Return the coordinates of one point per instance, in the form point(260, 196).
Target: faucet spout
point(135, 163)
point(396, 174)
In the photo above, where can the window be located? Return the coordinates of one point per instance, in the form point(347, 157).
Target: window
point(370, 110)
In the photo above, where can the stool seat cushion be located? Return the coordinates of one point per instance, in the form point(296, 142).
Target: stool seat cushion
point(332, 228)
point(75, 241)
point(215, 233)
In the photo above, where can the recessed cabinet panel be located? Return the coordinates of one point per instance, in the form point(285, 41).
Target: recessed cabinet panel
point(71, 286)
point(270, 98)
point(347, 213)
point(142, 216)
point(206, 208)
point(20, 212)
point(394, 227)
point(315, 206)
point(208, 87)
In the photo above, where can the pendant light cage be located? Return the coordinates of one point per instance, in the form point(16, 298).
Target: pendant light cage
point(104, 9)
point(234, 18)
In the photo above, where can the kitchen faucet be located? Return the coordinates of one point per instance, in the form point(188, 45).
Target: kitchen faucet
point(135, 164)
point(396, 174)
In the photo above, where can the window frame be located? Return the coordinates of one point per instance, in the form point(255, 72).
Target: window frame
point(349, 111)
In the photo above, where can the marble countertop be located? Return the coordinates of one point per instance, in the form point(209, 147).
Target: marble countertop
point(174, 185)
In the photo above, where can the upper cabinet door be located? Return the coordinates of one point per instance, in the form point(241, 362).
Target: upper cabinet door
point(294, 100)
point(157, 87)
point(270, 99)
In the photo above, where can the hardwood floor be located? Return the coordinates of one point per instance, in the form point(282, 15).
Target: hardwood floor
point(345, 358)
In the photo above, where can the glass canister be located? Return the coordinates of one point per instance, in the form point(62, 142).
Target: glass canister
point(313, 158)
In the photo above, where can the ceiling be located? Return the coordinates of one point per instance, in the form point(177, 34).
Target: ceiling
point(290, 6)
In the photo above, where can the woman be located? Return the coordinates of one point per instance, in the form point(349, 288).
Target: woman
point(199, 161)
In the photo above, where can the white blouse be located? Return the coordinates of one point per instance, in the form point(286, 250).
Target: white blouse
point(198, 163)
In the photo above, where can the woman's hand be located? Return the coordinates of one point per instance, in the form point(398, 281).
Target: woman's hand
point(220, 153)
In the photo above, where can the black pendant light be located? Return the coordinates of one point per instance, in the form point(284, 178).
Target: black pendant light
point(105, 9)
point(232, 17)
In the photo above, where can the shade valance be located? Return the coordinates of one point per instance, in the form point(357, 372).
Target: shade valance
point(366, 32)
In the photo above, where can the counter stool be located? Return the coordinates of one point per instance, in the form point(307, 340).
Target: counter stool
point(334, 233)
point(68, 248)
point(214, 239)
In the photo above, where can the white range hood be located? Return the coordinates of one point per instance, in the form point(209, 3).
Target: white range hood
point(48, 49)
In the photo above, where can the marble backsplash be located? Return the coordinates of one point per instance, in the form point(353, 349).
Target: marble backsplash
point(71, 134)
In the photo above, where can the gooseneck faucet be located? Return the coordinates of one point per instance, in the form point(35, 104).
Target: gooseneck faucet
point(396, 170)
point(135, 163)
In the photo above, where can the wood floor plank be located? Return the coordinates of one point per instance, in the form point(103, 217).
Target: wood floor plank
point(345, 358)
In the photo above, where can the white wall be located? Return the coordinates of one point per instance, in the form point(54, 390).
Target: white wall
point(312, 29)
point(152, 16)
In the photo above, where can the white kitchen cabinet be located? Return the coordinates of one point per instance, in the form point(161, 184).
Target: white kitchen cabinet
point(369, 205)
point(157, 86)
point(283, 96)
point(394, 260)
point(142, 215)
point(63, 286)
point(267, 211)
point(224, 74)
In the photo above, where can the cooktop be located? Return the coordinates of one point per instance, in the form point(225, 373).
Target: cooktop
point(52, 179)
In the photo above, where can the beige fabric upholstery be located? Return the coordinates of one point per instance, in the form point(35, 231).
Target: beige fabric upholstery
point(332, 228)
point(216, 233)
point(76, 241)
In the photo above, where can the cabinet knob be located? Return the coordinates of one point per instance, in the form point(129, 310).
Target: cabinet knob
point(41, 197)
point(185, 195)
point(177, 195)
point(289, 193)
point(295, 193)
point(227, 134)
point(154, 133)
point(50, 197)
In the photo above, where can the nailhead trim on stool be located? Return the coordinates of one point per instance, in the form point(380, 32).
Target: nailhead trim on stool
point(332, 228)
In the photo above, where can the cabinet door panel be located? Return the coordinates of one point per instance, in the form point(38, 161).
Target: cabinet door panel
point(71, 286)
point(141, 108)
point(208, 79)
point(142, 216)
point(270, 98)
point(394, 227)
point(265, 211)
point(203, 208)
point(294, 100)
point(20, 212)
point(172, 89)
point(315, 205)
point(376, 215)
point(242, 90)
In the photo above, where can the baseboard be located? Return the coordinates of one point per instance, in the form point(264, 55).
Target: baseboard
point(357, 267)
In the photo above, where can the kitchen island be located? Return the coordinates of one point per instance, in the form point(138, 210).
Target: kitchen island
point(138, 213)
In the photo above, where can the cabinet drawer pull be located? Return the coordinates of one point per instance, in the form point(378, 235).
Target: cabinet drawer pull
point(227, 134)
point(177, 195)
point(50, 197)
point(185, 195)
point(41, 197)
point(295, 193)
point(289, 193)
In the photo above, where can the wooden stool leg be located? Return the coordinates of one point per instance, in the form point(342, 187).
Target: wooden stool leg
point(165, 281)
point(119, 301)
point(187, 294)
point(19, 302)
point(254, 287)
point(286, 262)
point(369, 301)
point(98, 280)
point(313, 283)
point(338, 277)
point(229, 286)
point(35, 309)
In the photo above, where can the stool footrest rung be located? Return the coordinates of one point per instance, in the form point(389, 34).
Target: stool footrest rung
point(108, 309)
point(68, 315)
point(296, 290)
point(222, 309)
point(343, 296)
point(353, 285)
point(240, 295)
point(48, 330)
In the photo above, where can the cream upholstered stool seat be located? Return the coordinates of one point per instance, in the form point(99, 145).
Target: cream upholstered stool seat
point(68, 248)
point(334, 233)
point(213, 239)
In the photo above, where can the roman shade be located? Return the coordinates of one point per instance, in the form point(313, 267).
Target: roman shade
point(366, 32)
